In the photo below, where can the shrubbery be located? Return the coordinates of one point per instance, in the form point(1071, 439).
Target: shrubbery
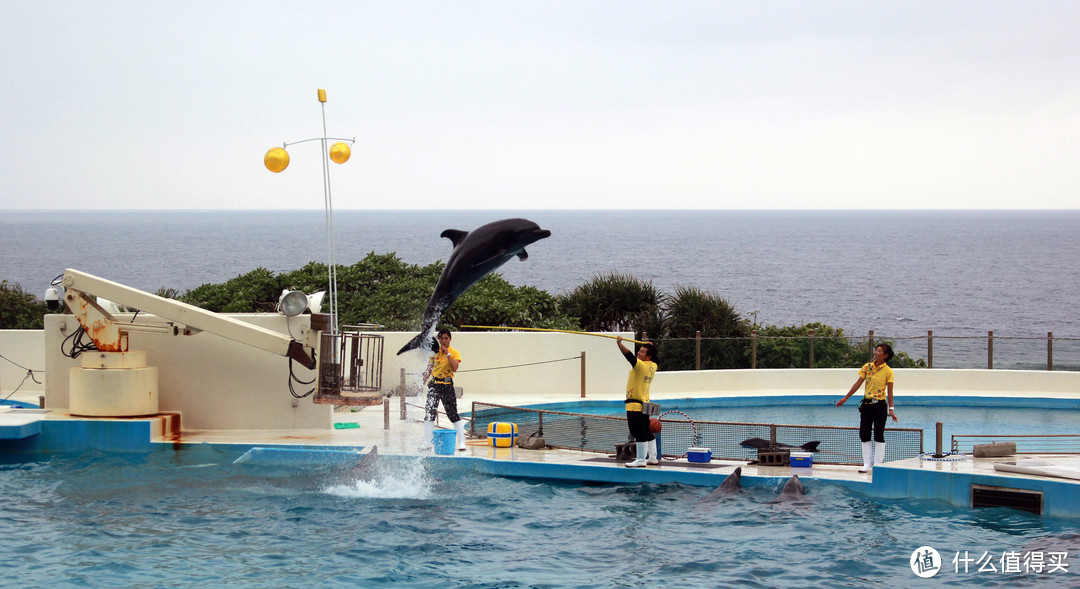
point(382, 289)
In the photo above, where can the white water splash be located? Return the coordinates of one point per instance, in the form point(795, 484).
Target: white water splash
point(406, 479)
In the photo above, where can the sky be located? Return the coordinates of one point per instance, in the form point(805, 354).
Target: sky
point(580, 104)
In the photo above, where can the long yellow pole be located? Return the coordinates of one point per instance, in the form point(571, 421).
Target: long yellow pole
point(552, 330)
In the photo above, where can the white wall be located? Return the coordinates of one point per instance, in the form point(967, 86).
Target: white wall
point(213, 382)
point(909, 381)
point(509, 364)
point(25, 347)
point(219, 384)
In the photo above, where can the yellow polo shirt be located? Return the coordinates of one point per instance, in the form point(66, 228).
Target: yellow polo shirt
point(440, 364)
point(638, 383)
point(877, 378)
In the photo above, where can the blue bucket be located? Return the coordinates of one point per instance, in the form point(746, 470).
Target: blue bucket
point(444, 441)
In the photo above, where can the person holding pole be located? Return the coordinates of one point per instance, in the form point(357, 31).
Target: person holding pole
point(642, 370)
point(876, 406)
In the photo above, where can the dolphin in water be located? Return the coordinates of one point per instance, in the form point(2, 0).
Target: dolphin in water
point(365, 469)
point(763, 444)
point(792, 488)
point(476, 253)
point(731, 484)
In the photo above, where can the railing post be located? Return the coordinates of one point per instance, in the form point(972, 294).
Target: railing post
point(753, 349)
point(697, 351)
point(401, 393)
point(583, 374)
point(871, 345)
point(386, 413)
point(1049, 350)
point(812, 333)
point(990, 350)
point(930, 348)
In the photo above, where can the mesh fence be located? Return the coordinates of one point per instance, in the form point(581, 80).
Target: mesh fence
point(601, 433)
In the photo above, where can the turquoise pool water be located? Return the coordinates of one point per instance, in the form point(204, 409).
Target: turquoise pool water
point(959, 416)
point(194, 518)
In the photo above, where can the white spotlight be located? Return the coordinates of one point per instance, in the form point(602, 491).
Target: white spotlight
point(315, 301)
point(292, 303)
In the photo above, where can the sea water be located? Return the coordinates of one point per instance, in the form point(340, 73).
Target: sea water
point(194, 518)
point(899, 273)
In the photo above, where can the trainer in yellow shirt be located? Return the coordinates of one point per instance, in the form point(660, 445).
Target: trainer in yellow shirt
point(642, 369)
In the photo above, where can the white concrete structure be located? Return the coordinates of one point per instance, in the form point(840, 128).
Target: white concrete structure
point(217, 384)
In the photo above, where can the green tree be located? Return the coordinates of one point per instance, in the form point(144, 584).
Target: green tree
point(724, 333)
point(615, 302)
point(20, 309)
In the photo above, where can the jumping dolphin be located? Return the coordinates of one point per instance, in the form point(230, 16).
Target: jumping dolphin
point(476, 253)
point(762, 444)
point(731, 484)
point(792, 488)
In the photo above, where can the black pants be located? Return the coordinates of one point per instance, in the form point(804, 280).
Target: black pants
point(873, 415)
point(438, 391)
point(638, 423)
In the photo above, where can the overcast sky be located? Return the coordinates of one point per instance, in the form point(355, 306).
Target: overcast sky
point(522, 105)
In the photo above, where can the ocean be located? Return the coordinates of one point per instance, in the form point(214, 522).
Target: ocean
point(899, 273)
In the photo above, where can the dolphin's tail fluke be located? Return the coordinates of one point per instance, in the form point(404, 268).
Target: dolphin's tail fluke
point(422, 341)
point(809, 446)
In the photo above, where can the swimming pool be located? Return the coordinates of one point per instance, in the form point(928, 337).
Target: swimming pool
point(959, 415)
point(193, 517)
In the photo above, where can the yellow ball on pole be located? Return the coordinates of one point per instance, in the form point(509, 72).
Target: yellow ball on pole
point(340, 152)
point(276, 160)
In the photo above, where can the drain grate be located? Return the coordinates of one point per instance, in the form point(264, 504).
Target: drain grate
point(1022, 499)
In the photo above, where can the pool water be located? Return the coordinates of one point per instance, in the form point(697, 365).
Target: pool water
point(956, 420)
point(194, 518)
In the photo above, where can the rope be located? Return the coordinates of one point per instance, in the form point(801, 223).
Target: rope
point(520, 365)
point(29, 374)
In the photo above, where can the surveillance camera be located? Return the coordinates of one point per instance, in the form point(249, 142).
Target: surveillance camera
point(52, 298)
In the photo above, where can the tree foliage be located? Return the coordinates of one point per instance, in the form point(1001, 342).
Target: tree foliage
point(692, 310)
point(20, 309)
point(615, 302)
point(382, 289)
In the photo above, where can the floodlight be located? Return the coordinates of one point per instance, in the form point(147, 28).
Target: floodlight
point(315, 301)
point(292, 303)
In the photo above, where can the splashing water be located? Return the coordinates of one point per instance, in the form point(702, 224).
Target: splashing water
point(397, 479)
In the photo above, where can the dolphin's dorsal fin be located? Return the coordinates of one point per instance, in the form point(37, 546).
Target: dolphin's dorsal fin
point(523, 255)
point(454, 235)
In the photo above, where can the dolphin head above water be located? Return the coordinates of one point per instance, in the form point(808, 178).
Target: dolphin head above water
point(793, 488)
point(476, 253)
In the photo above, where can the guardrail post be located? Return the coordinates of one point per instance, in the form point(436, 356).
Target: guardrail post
point(1049, 350)
point(871, 345)
point(753, 349)
point(812, 333)
point(697, 351)
point(930, 348)
point(583, 374)
point(990, 350)
point(386, 412)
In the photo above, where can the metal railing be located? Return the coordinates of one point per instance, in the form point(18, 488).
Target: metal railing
point(1025, 443)
point(352, 362)
point(601, 433)
point(921, 351)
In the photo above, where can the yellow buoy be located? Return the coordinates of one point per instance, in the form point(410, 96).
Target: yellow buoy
point(340, 152)
point(276, 160)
